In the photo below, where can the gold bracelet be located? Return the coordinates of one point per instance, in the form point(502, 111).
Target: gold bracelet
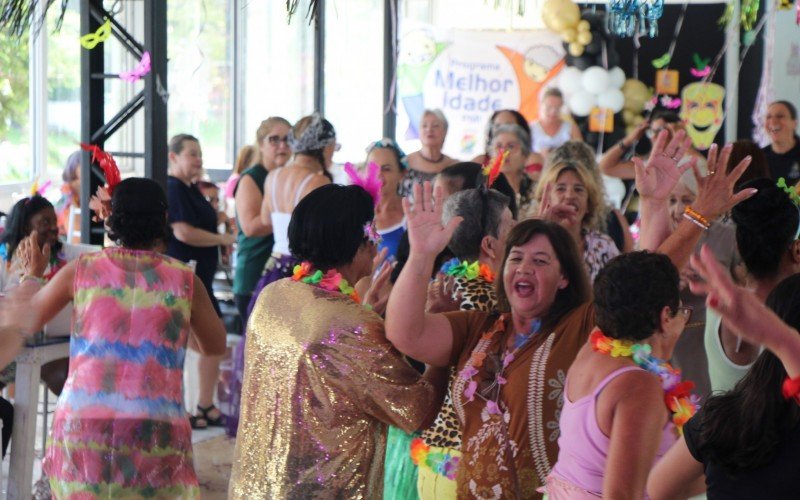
point(30, 277)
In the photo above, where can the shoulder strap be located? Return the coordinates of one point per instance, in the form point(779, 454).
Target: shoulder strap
point(611, 376)
point(299, 193)
point(273, 188)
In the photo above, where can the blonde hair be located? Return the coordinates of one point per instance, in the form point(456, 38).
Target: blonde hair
point(263, 131)
point(595, 207)
point(245, 158)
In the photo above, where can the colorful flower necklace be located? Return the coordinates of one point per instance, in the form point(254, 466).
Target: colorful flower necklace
point(439, 462)
point(677, 395)
point(466, 270)
point(331, 280)
point(476, 359)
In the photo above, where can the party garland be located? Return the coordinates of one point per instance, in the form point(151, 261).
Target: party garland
point(468, 271)
point(331, 280)
point(441, 463)
point(791, 388)
point(677, 395)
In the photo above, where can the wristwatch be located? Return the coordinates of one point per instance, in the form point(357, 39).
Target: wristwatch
point(621, 145)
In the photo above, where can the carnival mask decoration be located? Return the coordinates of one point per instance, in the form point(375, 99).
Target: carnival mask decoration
point(701, 112)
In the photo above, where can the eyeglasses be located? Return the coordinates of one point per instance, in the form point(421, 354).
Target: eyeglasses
point(686, 312)
point(277, 139)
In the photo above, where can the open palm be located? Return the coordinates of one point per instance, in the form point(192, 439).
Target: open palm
point(426, 234)
point(659, 176)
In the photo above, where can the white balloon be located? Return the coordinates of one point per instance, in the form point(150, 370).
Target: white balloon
point(616, 78)
point(582, 102)
point(595, 80)
point(569, 80)
point(612, 99)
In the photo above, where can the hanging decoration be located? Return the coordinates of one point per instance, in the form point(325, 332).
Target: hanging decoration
point(749, 14)
point(662, 61)
point(702, 112)
point(701, 68)
point(670, 102)
point(139, 71)
point(92, 40)
point(635, 17)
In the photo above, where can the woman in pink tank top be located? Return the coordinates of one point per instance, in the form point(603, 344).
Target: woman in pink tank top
point(614, 422)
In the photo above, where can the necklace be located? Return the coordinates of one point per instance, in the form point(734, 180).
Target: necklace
point(476, 361)
point(466, 270)
point(677, 395)
point(431, 160)
point(331, 280)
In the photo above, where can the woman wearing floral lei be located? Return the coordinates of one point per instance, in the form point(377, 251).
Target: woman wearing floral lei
point(511, 367)
point(321, 380)
point(624, 406)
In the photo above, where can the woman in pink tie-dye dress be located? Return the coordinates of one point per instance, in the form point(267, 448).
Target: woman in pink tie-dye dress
point(120, 430)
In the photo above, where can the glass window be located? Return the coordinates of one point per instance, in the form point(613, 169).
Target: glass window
point(15, 130)
point(278, 65)
point(200, 75)
point(354, 75)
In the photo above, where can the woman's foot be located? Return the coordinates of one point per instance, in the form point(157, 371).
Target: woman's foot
point(211, 415)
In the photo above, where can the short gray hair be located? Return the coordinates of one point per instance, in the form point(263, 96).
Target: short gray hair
point(438, 114)
point(512, 128)
point(573, 152)
point(470, 204)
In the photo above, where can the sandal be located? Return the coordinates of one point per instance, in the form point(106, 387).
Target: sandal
point(211, 422)
point(198, 423)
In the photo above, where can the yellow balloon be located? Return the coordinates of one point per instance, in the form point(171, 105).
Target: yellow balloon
point(575, 49)
point(584, 37)
point(570, 13)
point(569, 35)
point(550, 13)
point(628, 116)
point(584, 25)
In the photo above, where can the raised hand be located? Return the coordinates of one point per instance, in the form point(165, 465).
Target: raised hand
point(715, 194)
point(34, 259)
point(659, 176)
point(560, 213)
point(426, 234)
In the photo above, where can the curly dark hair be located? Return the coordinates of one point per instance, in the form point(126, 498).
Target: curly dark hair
point(327, 226)
point(630, 293)
point(742, 429)
point(18, 225)
point(577, 290)
point(138, 217)
point(766, 225)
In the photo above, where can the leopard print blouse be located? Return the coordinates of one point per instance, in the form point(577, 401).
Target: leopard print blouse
point(476, 295)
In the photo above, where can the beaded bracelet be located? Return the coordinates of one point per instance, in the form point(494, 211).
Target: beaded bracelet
point(693, 215)
point(30, 277)
point(791, 388)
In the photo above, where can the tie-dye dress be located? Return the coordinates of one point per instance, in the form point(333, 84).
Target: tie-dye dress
point(119, 429)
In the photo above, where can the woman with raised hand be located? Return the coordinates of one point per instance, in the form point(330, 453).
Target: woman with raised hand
point(744, 443)
point(511, 365)
point(119, 427)
point(321, 380)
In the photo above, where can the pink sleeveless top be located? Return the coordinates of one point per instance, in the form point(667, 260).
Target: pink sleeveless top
point(583, 448)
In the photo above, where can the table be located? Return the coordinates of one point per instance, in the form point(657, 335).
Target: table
point(26, 402)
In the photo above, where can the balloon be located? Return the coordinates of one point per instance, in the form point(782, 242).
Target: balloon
point(570, 13)
point(569, 35)
point(628, 116)
point(638, 120)
point(582, 103)
point(595, 80)
point(584, 25)
point(549, 13)
point(636, 95)
point(616, 78)
point(581, 62)
point(584, 37)
point(595, 45)
point(611, 99)
point(569, 80)
point(576, 49)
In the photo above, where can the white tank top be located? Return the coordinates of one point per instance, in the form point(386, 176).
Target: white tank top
point(280, 220)
point(542, 141)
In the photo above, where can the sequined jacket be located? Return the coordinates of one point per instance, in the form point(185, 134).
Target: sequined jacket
point(320, 384)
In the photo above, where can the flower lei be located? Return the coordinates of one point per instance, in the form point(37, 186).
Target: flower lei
point(443, 464)
point(677, 395)
point(791, 388)
point(468, 271)
point(331, 280)
point(476, 360)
